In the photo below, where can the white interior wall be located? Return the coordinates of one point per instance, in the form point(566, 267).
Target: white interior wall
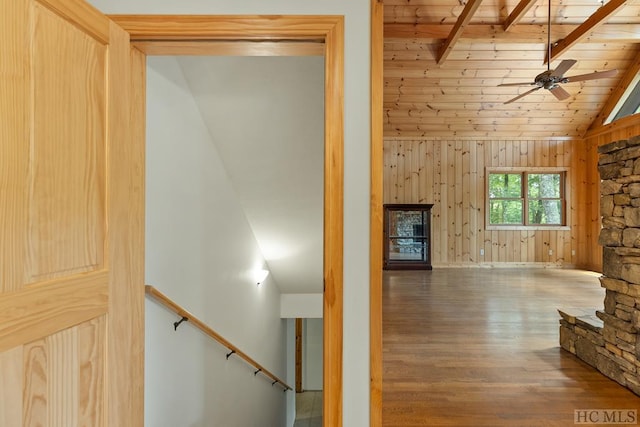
point(301, 305)
point(201, 252)
point(312, 354)
point(357, 137)
point(266, 117)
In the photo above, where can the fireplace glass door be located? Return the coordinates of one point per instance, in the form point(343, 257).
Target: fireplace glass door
point(407, 235)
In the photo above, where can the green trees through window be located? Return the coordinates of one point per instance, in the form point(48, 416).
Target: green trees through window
point(524, 198)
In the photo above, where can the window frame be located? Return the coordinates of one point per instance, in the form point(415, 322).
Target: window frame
point(628, 104)
point(524, 172)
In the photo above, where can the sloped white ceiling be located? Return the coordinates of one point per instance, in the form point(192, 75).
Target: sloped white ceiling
point(266, 117)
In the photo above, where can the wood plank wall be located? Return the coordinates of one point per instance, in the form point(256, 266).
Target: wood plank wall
point(451, 175)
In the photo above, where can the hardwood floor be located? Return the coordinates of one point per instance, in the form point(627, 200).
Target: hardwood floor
point(479, 347)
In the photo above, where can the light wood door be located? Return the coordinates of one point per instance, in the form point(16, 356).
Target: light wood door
point(71, 219)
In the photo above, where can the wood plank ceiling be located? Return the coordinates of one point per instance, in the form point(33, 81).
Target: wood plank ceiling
point(444, 60)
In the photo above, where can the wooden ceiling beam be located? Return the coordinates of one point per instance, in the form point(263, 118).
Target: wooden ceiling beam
point(463, 20)
point(516, 15)
point(618, 91)
point(586, 27)
point(523, 33)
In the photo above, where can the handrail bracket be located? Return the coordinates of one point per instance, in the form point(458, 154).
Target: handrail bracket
point(176, 324)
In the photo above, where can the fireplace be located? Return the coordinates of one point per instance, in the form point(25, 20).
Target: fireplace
point(607, 339)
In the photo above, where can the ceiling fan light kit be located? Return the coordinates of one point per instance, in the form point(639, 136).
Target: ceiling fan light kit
point(552, 79)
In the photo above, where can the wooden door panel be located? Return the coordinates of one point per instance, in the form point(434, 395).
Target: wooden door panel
point(71, 218)
point(66, 204)
point(64, 385)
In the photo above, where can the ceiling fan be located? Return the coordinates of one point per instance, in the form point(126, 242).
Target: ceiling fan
point(551, 79)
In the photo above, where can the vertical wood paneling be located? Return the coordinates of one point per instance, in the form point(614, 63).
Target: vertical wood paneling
point(537, 150)
point(501, 243)
point(426, 162)
point(488, 234)
point(388, 167)
point(11, 386)
point(539, 247)
point(458, 207)
point(591, 214)
point(567, 161)
point(524, 153)
point(508, 152)
point(451, 174)
point(416, 172)
point(473, 203)
point(531, 245)
point(531, 158)
point(465, 203)
point(444, 202)
point(401, 177)
point(524, 245)
point(480, 184)
point(494, 253)
point(451, 201)
point(546, 242)
point(404, 170)
point(437, 205)
point(578, 210)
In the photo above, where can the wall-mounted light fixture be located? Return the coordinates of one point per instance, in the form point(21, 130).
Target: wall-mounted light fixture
point(261, 275)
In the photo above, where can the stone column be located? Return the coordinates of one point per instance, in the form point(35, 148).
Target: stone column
point(619, 168)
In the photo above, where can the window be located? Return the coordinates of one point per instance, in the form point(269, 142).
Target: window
point(629, 102)
point(529, 198)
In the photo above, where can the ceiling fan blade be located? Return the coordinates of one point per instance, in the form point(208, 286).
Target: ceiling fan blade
point(560, 93)
point(523, 94)
point(563, 67)
point(516, 84)
point(591, 76)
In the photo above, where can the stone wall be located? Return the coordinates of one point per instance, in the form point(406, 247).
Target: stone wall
point(611, 344)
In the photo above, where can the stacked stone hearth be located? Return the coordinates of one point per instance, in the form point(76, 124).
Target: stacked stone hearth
point(610, 341)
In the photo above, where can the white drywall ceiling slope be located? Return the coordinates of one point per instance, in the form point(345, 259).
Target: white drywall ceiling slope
point(266, 117)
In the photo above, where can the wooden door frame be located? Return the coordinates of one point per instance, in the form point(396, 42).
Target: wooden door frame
point(376, 212)
point(202, 34)
point(299, 355)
